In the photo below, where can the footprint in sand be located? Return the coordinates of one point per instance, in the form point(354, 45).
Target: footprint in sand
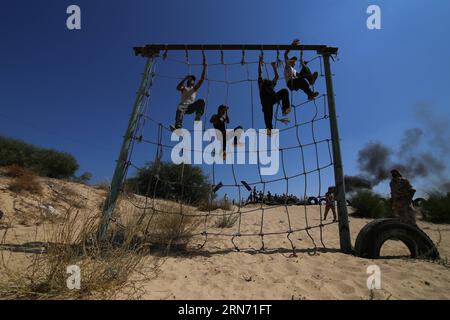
point(345, 288)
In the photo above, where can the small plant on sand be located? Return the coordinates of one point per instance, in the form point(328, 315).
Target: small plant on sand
point(103, 185)
point(24, 180)
point(214, 205)
point(368, 204)
point(170, 225)
point(437, 208)
point(226, 221)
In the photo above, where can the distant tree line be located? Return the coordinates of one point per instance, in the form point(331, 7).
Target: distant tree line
point(43, 162)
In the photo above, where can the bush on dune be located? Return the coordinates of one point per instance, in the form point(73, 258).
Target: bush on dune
point(43, 162)
point(214, 205)
point(368, 204)
point(24, 180)
point(437, 207)
point(162, 180)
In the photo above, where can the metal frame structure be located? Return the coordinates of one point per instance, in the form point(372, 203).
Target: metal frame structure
point(152, 51)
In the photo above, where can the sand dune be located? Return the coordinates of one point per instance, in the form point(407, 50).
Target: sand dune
point(218, 271)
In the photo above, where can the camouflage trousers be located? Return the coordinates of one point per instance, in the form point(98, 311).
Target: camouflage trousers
point(405, 211)
point(327, 209)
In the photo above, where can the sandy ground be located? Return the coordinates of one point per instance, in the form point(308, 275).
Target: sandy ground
point(218, 271)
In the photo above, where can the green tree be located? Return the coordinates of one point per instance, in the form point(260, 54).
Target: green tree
point(170, 181)
point(368, 204)
point(437, 207)
point(44, 162)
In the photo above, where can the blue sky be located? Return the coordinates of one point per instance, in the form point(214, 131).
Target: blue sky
point(73, 90)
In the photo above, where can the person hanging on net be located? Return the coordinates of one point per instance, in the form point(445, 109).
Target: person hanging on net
point(188, 103)
point(402, 194)
point(330, 204)
point(299, 80)
point(269, 97)
point(220, 121)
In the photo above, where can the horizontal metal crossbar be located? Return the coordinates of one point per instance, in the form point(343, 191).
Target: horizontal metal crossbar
point(152, 49)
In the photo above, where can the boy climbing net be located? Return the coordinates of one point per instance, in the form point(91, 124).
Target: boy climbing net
point(269, 97)
point(219, 122)
point(188, 104)
point(299, 80)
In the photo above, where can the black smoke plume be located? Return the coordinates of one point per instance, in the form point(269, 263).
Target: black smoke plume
point(354, 183)
point(414, 157)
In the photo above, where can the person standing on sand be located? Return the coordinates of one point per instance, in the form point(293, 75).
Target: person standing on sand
point(402, 194)
point(330, 204)
point(225, 198)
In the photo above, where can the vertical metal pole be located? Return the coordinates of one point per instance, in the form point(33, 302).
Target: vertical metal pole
point(122, 163)
point(344, 229)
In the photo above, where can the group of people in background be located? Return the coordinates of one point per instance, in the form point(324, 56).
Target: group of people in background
point(260, 197)
point(402, 194)
point(269, 198)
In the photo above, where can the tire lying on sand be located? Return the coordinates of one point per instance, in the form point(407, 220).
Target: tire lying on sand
point(323, 201)
point(372, 237)
point(313, 201)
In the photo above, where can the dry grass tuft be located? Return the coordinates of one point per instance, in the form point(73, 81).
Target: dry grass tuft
point(214, 205)
point(170, 226)
point(226, 221)
point(106, 268)
point(24, 180)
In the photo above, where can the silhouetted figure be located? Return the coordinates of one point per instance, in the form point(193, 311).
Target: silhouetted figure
point(402, 194)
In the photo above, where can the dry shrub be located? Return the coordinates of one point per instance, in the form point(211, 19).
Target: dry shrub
point(24, 180)
point(15, 171)
point(226, 221)
point(105, 268)
point(170, 225)
point(62, 193)
point(214, 205)
point(436, 208)
point(103, 185)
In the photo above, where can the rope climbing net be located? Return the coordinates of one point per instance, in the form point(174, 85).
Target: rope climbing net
point(289, 205)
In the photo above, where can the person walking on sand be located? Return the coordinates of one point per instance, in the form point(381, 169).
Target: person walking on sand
point(330, 204)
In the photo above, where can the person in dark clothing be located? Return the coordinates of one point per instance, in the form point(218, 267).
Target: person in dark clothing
point(330, 204)
point(238, 132)
point(269, 97)
point(219, 122)
point(299, 80)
